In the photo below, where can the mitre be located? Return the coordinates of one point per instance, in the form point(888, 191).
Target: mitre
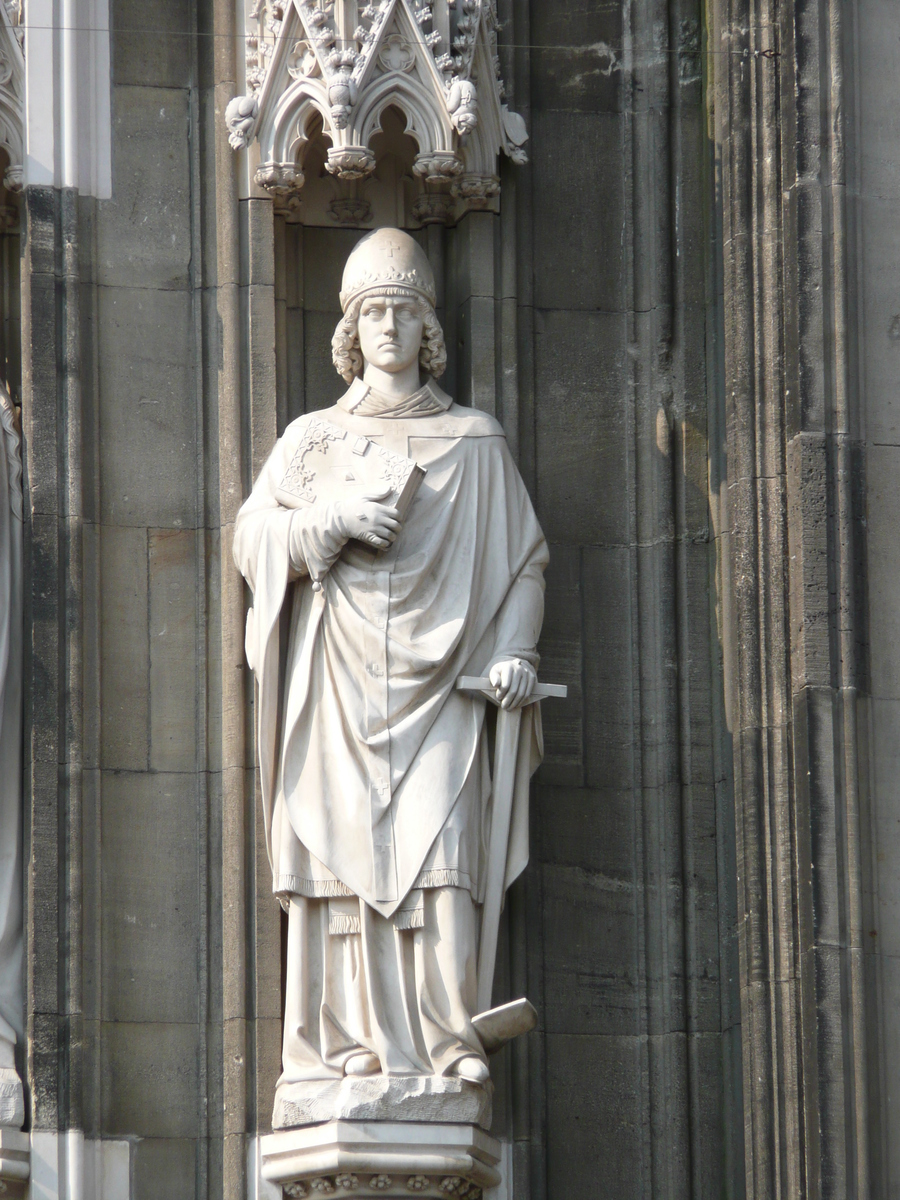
point(387, 261)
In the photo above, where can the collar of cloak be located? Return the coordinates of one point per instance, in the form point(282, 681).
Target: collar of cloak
point(364, 401)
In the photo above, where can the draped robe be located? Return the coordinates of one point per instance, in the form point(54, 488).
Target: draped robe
point(374, 773)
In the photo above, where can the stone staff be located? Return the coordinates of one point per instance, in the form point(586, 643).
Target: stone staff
point(506, 765)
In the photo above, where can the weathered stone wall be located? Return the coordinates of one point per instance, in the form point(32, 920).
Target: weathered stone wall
point(125, 788)
point(685, 317)
point(121, 790)
point(874, 190)
point(170, 332)
point(793, 553)
point(633, 832)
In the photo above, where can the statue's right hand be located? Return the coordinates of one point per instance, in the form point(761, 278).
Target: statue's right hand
point(369, 520)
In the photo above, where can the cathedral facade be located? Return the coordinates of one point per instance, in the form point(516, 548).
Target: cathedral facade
point(664, 240)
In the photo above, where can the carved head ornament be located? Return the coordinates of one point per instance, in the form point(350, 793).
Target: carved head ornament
point(387, 262)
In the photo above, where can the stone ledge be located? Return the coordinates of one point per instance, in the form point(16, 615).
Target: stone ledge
point(385, 1159)
point(411, 1098)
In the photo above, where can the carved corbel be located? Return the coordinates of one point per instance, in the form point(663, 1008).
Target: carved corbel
point(436, 205)
point(350, 162)
point(476, 190)
point(282, 181)
point(433, 208)
point(516, 135)
point(441, 166)
point(350, 210)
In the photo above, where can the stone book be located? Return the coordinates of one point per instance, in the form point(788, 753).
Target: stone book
point(331, 464)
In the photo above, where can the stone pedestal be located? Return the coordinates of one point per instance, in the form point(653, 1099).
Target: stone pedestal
point(384, 1159)
point(407, 1098)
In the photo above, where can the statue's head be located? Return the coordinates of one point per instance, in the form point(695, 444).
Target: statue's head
point(388, 269)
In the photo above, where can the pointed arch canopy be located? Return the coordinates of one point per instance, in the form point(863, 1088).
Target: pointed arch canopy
point(438, 65)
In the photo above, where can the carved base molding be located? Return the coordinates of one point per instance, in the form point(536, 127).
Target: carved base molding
point(366, 1187)
point(386, 1159)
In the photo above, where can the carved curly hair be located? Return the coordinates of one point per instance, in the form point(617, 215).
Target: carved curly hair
point(347, 356)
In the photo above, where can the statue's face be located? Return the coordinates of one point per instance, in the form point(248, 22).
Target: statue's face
point(390, 331)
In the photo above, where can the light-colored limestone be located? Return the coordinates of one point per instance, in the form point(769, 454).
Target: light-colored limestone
point(497, 1026)
point(144, 238)
point(145, 356)
point(77, 1168)
point(12, 1100)
point(15, 1164)
point(429, 75)
point(380, 1158)
point(406, 1098)
point(385, 893)
point(67, 97)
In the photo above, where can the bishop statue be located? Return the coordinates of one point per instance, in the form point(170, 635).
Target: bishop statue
point(375, 772)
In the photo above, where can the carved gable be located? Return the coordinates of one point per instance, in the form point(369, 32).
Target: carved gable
point(327, 71)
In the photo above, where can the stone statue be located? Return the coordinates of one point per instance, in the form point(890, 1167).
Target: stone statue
point(12, 1001)
point(374, 764)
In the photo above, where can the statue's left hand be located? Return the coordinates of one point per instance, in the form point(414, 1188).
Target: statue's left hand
point(368, 519)
point(513, 680)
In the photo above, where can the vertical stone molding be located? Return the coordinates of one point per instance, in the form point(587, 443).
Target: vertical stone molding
point(53, 374)
point(793, 628)
point(171, 333)
point(12, 997)
point(65, 93)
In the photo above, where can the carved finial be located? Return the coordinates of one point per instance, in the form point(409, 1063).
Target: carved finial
point(350, 210)
point(240, 116)
point(462, 104)
point(342, 90)
point(350, 162)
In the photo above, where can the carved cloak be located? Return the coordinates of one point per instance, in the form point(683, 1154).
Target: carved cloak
point(363, 739)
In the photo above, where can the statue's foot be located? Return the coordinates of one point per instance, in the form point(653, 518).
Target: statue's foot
point(472, 1069)
point(365, 1063)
